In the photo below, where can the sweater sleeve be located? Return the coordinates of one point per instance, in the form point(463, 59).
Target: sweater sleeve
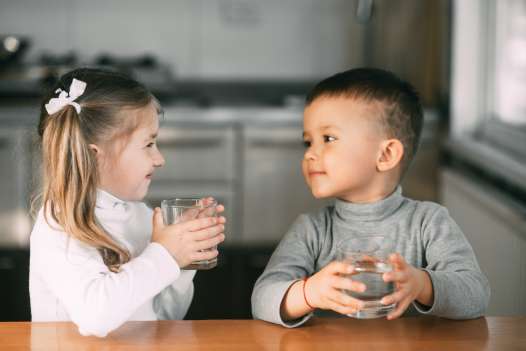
point(96, 299)
point(460, 289)
point(173, 301)
point(293, 259)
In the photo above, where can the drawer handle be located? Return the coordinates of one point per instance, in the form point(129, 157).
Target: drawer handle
point(195, 144)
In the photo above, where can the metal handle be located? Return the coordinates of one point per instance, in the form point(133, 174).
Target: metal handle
point(191, 143)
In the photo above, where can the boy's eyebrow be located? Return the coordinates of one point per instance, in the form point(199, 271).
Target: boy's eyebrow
point(328, 127)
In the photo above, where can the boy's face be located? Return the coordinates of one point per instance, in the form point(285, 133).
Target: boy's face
point(343, 143)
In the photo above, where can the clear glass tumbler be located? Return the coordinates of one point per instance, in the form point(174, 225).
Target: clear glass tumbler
point(180, 210)
point(369, 256)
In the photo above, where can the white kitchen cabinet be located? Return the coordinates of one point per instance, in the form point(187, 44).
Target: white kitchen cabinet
point(274, 190)
point(15, 173)
point(495, 225)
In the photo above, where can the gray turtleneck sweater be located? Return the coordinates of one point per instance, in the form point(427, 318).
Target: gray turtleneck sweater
point(423, 233)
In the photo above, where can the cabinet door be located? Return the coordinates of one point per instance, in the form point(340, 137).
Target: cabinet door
point(14, 192)
point(197, 153)
point(274, 190)
point(496, 228)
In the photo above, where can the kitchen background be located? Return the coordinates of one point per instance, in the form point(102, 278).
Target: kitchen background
point(232, 75)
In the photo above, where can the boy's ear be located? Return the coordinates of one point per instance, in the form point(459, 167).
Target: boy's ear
point(391, 153)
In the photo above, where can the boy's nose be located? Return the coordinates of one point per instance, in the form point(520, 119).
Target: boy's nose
point(310, 154)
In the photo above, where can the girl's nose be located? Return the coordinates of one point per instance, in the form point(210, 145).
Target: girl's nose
point(158, 160)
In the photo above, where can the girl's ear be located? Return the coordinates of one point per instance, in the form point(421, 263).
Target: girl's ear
point(98, 152)
point(95, 149)
point(391, 153)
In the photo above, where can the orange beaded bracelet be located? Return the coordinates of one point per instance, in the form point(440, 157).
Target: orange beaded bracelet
point(305, 296)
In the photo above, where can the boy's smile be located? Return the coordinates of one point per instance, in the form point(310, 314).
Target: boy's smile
point(342, 140)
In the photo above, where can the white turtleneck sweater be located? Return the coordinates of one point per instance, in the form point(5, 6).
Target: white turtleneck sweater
point(68, 280)
point(422, 232)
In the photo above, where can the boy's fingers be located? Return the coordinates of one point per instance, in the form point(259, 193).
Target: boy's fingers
point(346, 283)
point(395, 276)
point(340, 267)
point(397, 261)
point(393, 298)
point(342, 298)
point(399, 310)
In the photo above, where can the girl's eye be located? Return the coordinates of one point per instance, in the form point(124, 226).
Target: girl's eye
point(328, 138)
point(150, 145)
point(306, 143)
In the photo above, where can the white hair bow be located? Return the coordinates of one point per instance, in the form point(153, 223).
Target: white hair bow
point(76, 89)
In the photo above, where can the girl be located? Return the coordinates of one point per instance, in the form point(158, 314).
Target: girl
point(97, 258)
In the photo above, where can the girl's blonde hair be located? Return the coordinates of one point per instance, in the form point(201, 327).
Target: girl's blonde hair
point(70, 171)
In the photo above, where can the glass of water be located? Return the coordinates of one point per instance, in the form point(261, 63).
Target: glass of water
point(180, 210)
point(369, 256)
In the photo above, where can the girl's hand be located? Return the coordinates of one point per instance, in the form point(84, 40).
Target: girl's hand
point(193, 213)
point(188, 241)
point(324, 289)
point(410, 284)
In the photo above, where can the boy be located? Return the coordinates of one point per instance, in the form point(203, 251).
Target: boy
point(361, 131)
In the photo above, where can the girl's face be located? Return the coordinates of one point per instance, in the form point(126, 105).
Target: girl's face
point(342, 143)
point(127, 172)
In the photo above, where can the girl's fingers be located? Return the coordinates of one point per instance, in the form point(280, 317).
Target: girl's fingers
point(204, 255)
point(206, 233)
point(200, 223)
point(208, 243)
point(189, 214)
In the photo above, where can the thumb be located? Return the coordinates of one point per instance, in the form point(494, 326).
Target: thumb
point(157, 219)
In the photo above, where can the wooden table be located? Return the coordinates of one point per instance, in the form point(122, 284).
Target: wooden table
point(412, 333)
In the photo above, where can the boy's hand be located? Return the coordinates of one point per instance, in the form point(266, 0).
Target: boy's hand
point(324, 289)
point(188, 241)
point(410, 284)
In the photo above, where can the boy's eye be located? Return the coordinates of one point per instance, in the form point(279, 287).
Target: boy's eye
point(328, 138)
point(306, 143)
point(150, 144)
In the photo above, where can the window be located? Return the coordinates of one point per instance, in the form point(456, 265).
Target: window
point(505, 122)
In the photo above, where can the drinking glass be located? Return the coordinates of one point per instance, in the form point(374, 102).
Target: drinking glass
point(180, 210)
point(369, 256)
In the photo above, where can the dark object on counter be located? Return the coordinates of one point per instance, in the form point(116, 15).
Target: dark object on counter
point(12, 49)
point(14, 294)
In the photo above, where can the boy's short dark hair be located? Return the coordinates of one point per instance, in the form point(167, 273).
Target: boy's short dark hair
point(402, 118)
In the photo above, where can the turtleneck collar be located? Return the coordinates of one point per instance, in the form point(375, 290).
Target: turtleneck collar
point(369, 212)
point(105, 200)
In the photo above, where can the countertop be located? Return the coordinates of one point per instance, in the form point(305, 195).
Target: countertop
point(411, 333)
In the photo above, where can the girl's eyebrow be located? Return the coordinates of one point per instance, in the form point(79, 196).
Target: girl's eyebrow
point(152, 136)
